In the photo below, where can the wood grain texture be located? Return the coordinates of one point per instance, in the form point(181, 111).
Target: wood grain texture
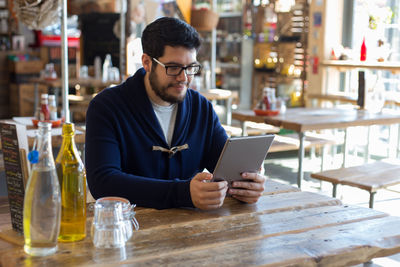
point(286, 227)
point(274, 187)
point(341, 245)
point(370, 177)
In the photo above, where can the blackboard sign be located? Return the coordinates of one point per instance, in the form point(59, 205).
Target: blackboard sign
point(98, 38)
point(15, 148)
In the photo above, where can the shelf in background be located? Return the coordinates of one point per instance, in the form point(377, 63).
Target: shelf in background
point(351, 64)
point(231, 65)
point(230, 14)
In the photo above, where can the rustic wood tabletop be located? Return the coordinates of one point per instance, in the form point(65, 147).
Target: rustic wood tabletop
point(286, 227)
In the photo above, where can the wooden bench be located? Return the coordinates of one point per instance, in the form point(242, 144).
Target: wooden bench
point(370, 177)
point(286, 142)
point(289, 142)
point(251, 129)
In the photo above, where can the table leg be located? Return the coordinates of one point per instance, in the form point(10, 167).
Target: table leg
point(344, 148)
point(228, 111)
point(371, 200)
point(366, 154)
point(300, 173)
point(393, 144)
point(334, 190)
point(398, 142)
point(244, 127)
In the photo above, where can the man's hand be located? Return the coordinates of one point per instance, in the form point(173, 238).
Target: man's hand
point(207, 195)
point(250, 191)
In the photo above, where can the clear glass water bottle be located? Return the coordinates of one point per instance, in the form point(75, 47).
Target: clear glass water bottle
point(53, 107)
point(42, 202)
point(72, 177)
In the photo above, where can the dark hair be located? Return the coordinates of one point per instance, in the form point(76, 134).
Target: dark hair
point(168, 31)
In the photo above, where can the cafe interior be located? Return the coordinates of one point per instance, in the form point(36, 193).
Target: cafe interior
point(322, 76)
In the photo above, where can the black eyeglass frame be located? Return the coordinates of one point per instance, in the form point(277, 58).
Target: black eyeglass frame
point(181, 68)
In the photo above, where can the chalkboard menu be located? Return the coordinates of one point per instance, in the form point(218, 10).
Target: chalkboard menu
point(15, 147)
point(98, 37)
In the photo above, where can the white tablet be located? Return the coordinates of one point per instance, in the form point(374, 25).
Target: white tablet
point(241, 154)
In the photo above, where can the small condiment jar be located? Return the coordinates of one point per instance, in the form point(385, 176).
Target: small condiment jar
point(130, 222)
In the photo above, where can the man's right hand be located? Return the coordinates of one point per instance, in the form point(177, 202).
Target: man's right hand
point(207, 195)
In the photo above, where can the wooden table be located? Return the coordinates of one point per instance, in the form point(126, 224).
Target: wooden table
point(286, 227)
point(221, 94)
point(302, 120)
point(370, 177)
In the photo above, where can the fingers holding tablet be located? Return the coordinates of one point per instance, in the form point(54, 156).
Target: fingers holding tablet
point(206, 195)
point(248, 191)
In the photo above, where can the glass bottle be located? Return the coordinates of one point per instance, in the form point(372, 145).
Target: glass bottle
point(363, 53)
point(42, 202)
point(52, 107)
point(107, 64)
point(44, 108)
point(72, 176)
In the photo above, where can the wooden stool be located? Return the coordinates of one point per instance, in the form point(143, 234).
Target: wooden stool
point(370, 177)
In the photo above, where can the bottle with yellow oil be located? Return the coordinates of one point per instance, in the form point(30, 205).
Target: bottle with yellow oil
point(72, 177)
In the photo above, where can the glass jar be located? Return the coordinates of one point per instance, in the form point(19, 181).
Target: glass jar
point(130, 222)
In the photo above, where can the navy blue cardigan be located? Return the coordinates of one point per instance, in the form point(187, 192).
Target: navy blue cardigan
point(121, 130)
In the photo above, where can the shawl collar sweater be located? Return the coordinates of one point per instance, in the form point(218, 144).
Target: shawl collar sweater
point(121, 131)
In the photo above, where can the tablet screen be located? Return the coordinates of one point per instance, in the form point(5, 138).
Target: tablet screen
point(241, 154)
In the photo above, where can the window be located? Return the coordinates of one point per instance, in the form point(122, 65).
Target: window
point(377, 21)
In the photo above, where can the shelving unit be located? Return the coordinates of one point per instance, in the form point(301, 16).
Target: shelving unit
point(280, 58)
point(228, 50)
point(229, 39)
point(351, 68)
point(8, 24)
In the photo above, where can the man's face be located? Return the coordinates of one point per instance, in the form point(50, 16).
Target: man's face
point(172, 89)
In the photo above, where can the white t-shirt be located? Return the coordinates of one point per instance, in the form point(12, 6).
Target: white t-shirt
point(166, 116)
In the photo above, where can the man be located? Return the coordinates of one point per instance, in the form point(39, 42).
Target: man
point(150, 138)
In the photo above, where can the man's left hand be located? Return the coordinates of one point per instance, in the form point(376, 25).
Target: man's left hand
point(248, 191)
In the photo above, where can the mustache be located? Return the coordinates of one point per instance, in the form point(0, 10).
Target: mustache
point(179, 84)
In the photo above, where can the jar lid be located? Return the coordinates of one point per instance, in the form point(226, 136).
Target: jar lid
point(126, 205)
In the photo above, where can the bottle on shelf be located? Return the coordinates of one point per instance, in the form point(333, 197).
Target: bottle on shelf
point(42, 202)
point(248, 20)
point(363, 54)
point(52, 107)
point(44, 108)
point(296, 96)
point(50, 72)
point(269, 98)
point(97, 67)
point(107, 65)
point(72, 178)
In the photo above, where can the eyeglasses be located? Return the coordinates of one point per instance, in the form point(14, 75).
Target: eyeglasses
point(177, 70)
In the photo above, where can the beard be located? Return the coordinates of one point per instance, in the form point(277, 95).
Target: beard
point(161, 90)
